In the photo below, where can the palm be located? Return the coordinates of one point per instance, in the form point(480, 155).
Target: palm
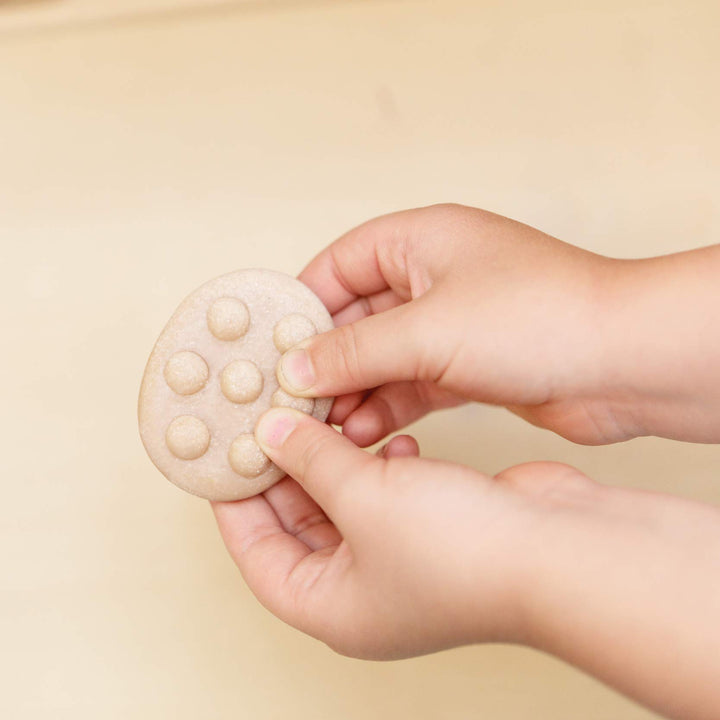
point(288, 550)
point(282, 542)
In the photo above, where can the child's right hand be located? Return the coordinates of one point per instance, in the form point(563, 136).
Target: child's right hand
point(444, 304)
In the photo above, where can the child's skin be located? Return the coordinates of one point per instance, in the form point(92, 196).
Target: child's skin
point(390, 556)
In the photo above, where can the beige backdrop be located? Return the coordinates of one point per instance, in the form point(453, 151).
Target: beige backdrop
point(140, 156)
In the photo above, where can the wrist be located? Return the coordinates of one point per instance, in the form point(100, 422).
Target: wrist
point(564, 532)
point(535, 502)
point(618, 586)
point(658, 345)
point(552, 501)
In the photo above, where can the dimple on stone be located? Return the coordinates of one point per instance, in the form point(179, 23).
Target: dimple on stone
point(187, 437)
point(246, 458)
point(186, 372)
point(241, 381)
point(282, 399)
point(291, 330)
point(228, 318)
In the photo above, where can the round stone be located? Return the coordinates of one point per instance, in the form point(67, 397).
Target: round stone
point(241, 381)
point(186, 372)
point(246, 458)
point(291, 330)
point(228, 318)
point(243, 308)
point(282, 399)
point(187, 437)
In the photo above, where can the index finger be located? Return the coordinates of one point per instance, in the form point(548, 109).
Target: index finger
point(366, 260)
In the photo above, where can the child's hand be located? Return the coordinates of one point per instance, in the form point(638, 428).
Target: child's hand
point(448, 303)
point(408, 556)
point(379, 557)
point(384, 557)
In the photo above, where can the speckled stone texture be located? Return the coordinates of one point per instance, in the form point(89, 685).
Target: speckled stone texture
point(211, 375)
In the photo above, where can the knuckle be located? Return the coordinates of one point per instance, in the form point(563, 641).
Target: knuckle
point(550, 483)
point(446, 209)
point(346, 352)
point(321, 466)
point(460, 220)
point(311, 449)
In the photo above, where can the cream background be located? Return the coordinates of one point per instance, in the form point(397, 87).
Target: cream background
point(141, 156)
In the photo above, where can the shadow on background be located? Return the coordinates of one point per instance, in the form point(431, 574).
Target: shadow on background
point(25, 3)
point(115, 17)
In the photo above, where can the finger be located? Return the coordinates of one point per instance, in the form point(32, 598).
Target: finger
point(324, 462)
point(392, 407)
point(364, 261)
point(378, 349)
point(364, 306)
point(344, 405)
point(301, 516)
point(400, 446)
point(266, 555)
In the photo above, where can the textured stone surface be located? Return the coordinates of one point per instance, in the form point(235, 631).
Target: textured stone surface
point(212, 374)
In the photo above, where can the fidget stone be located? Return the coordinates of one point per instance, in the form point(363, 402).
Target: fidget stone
point(212, 374)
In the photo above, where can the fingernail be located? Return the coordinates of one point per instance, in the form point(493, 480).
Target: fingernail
point(297, 370)
point(275, 426)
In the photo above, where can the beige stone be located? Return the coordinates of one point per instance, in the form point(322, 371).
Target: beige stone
point(211, 375)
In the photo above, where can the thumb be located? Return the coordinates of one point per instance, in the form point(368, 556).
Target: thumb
point(328, 465)
point(378, 349)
